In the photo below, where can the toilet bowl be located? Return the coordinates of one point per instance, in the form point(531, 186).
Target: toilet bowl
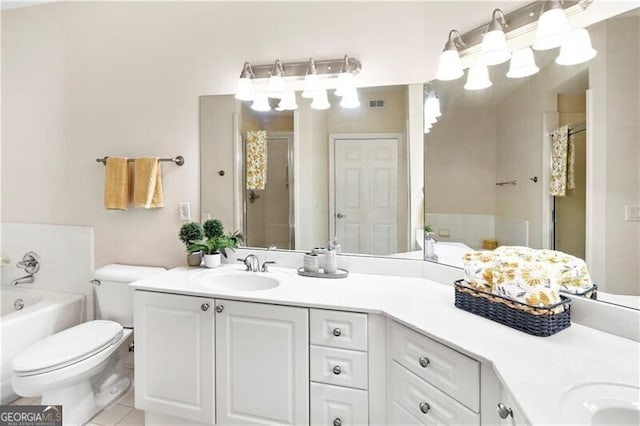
point(81, 368)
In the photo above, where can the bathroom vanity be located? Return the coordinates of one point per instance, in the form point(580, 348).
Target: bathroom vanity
point(278, 348)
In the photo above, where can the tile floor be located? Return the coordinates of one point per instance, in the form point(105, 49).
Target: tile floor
point(121, 412)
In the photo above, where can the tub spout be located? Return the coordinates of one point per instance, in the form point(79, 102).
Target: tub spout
point(27, 279)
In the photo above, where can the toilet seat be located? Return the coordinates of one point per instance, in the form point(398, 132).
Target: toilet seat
point(68, 347)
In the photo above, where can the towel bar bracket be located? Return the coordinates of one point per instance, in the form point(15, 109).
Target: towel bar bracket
point(179, 160)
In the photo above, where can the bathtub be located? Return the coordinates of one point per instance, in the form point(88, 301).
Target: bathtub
point(43, 313)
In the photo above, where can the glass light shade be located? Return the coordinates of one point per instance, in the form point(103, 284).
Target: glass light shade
point(427, 130)
point(345, 83)
point(311, 86)
point(449, 66)
point(552, 29)
point(427, 126)
point(275, 87)
point(261, 103)
point(288, 102)
point(576, 48)
point(320, 101)
point(478, 78)
point(432, 106)
point(494, 48)
point(430, 119)
point(245, 90)
point(350, 99)
point(522, 64)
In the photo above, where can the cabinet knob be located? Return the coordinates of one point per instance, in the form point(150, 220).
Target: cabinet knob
point(204, 307)
point(425, 407)
point(337, 370)
point(337, 422)
point(424, 361)
point(219, 308)
point(337, 332)
point(504, 411)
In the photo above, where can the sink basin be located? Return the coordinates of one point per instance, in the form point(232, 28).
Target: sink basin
point(602, 404)
point(242, 281)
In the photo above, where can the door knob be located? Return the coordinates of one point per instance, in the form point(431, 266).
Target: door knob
point(204, 307)
point(340, 215)
point(219, 308)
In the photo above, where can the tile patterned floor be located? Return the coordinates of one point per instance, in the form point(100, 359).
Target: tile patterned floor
point(120, 413)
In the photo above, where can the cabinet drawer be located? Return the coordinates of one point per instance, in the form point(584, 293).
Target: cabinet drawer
point(336, 406)
point(450, 371)
point(339, 367)
point(426, 403)
point(345, 330)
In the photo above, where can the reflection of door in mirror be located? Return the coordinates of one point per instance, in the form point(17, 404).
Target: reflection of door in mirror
point(366, 194)
point(268, 210)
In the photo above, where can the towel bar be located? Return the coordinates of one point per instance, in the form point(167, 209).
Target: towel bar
point(179, 160)
point(510, 182)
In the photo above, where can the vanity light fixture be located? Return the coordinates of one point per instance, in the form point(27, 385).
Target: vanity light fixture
point(288, 102)
point(431, 109)
point(552, 27)
point(350, 99)
point(245, 84)
point(311, 81)
point(478, 77)
point(275, 86)
point(261, 103)
point(449, 65)
point(345, 79)
point(576, 48)
point(320, 100)
point(522, 64)
point(494, 42)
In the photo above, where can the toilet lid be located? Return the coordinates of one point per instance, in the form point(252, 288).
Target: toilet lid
point(67, 347)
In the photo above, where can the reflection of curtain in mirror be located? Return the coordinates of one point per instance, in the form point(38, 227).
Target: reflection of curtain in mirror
point(563, 159)
point(256, 159)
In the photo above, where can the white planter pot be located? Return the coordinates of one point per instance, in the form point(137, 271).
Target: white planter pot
point(212, 260)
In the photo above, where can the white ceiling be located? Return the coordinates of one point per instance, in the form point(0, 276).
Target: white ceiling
point(12, 4)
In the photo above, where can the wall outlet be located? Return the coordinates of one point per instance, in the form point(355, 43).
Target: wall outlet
point(184, 209)
point(632, 213)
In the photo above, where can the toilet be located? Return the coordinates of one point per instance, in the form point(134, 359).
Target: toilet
point(81, 368)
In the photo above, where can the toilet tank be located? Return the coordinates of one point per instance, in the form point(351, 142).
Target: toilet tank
point(113, 296)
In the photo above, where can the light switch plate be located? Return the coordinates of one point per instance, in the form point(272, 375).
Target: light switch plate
point(184, 209)
point(632, 213)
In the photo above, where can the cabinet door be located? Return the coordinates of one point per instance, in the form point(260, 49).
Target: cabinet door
point(338, 406)
point(174, 355)
point(262, 364)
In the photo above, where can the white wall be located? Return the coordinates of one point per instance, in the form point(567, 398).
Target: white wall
point(85, 80)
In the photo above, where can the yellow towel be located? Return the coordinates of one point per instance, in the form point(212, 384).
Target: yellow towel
point(116, 183)
point(256, 159)
point(147, 183)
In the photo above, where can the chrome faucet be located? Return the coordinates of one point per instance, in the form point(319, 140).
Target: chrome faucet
point(251, 262)
point(31, 264)
point(429, 249)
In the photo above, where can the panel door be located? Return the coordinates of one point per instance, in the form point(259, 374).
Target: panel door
point(262, 364)
point(366, 195)
point(174, 355)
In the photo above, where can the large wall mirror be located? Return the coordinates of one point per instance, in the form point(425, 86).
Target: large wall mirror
point(488, 160)
point(485, 174)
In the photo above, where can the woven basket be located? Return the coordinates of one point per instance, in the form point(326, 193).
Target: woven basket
point(529, 319)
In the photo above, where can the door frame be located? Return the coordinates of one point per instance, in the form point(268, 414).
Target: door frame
point(332, 167)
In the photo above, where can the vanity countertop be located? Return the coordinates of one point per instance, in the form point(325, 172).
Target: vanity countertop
point(535, 370)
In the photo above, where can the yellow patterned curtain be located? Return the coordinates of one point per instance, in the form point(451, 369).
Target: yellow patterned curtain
point(563, 160)
point(256, 159)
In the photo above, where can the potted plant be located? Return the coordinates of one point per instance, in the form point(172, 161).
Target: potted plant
point(189, 234)
point(215, 247)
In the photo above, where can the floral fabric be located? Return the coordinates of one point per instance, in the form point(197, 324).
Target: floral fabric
point(563, 159)
point(256, 159)
point(526, 275)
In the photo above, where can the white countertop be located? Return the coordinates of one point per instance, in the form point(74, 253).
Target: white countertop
point(535, 370)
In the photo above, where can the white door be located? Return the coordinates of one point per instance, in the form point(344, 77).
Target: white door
point(366, 195)
point(174, 355)
point(262, 364)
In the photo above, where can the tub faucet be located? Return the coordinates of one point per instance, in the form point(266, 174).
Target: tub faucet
point(429, 249)
point(251, 262)
point(27, 279)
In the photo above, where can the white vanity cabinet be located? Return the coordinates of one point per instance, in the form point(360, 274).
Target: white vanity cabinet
point(262, 364)
point(174, 355)
point(430, 383)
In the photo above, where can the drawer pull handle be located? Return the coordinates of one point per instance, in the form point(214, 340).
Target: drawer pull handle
point(337, 370)
point(337, 422)
point(219, 308)
point(504, 411)
point(204, 307)
point(337, 332)
point(425, 407)
point(424, 361)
